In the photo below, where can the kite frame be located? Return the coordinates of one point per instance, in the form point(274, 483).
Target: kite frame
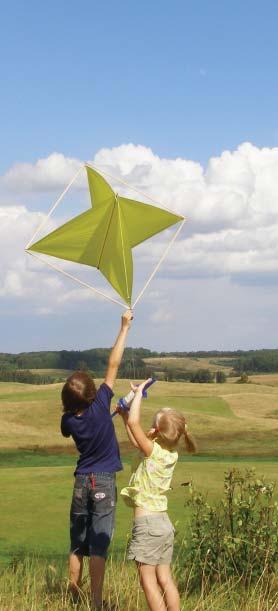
point(81, 282)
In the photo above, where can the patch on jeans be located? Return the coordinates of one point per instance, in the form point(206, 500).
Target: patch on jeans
point(100, 495)
point(78, 493)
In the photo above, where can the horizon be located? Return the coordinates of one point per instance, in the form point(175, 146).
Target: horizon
point(134, 348)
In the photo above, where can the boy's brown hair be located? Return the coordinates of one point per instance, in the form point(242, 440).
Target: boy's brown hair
point(78, 392)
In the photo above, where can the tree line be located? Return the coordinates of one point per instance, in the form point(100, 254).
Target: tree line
point(134, 371)
point(24, 376)
point(251, 361)
point(95, 359)
point(259, 361)
point(16, 367)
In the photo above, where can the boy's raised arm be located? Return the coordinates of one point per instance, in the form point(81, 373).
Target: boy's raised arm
point(116, 353)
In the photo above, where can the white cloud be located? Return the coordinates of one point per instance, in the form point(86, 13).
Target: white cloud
point(162, 315)
point(237, 189)
point(231, 206)
point(227, 253)
point(49, 174)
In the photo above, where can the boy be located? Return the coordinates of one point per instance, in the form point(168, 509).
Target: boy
point(87, 419)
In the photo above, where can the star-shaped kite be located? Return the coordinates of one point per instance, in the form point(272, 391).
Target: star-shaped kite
point(104, 235)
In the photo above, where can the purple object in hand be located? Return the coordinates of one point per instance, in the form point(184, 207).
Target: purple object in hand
point(144, 393)
point(124, 402)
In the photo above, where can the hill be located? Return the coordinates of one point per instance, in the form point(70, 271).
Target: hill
point(227, 419)
point(178, 365)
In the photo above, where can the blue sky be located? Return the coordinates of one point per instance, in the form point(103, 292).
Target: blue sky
point(187, 80)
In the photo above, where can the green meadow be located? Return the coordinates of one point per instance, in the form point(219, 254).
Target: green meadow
point(234, 425)
point(35, 503)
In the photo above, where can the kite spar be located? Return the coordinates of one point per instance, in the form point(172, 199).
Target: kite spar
point(103, 236)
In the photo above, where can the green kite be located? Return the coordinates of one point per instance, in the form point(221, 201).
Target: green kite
point(104, 235)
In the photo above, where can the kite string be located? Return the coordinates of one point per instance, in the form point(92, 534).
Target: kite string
point(159, 264)
point(44, 221)
point(130, 187)
point(88, 286)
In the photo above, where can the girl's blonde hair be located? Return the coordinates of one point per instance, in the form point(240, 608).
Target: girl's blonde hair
point(170, 425)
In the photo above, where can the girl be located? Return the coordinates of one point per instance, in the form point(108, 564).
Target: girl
point(87, 419)
point(151, 544)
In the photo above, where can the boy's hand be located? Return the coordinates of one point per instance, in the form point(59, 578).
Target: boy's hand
point(122, 412)
point(127, 317)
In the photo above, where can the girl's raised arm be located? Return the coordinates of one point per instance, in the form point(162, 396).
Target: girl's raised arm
point(133, 421)
point(116, 353)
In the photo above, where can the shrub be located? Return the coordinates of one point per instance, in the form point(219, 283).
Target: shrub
point(235, 539)
point(202, 376)
point(243, 379)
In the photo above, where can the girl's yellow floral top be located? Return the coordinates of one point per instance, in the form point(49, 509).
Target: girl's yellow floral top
point(151, 479)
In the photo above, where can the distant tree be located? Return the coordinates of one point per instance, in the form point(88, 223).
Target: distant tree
point(134, 369)
point(202, 376)
point(168, 375)
point(82, 366)
point(220, 377)
point(127, 369)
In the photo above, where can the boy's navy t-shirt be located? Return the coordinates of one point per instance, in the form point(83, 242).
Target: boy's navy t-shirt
point(94, 435)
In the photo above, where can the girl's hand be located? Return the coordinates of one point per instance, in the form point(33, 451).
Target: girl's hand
point(140, 387)
point(152, 433)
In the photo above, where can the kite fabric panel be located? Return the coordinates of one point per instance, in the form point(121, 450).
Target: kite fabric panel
point(144, 221)
point(100, 190)
point(104, 235)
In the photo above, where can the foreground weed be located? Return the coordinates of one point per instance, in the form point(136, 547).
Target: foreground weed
point(236, 539)
point(34, 585)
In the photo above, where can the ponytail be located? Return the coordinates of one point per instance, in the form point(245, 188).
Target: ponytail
point(190, 444)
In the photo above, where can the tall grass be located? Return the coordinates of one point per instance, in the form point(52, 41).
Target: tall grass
point(30, 584)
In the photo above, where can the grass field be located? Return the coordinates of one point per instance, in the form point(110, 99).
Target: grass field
point(34, 537)
point(233, 424)
point(35, 502)
point(57, 372)
point(269, 379)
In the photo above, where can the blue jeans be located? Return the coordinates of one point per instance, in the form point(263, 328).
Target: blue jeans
point(92, 514)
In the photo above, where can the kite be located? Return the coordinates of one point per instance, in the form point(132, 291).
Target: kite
point(104, 236)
